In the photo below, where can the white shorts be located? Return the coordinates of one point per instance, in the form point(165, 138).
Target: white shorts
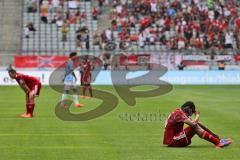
point(70, 81)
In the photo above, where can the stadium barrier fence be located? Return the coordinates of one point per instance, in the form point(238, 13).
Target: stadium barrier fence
point(173, 77)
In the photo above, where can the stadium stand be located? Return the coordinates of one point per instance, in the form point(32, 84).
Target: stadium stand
point(57, 26)
point(157, 25)
point(177, 25)
point(10, 30)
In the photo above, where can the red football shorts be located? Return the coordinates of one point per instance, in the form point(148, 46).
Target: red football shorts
point(36, 89)
point(183, 138)
point(86, 79)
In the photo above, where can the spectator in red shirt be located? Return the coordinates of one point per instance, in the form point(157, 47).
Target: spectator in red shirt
point(167, 23)
point(95, 13)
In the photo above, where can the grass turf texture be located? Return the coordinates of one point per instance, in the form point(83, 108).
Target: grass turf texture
point(110, 137)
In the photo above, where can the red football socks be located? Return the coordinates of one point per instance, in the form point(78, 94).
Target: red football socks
point(30, 108)
point(90, 91)
point(84, 90)
point(207, 136)
point(27, 108)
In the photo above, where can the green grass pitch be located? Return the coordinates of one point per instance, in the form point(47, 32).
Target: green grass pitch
point(110, 137)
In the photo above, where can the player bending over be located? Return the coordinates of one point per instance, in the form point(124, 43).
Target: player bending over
point(70, 80)
point(31, 86)
point(86, 77)
point(177, 136)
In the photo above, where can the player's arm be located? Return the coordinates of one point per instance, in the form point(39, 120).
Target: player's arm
point(92, 67)
point(24, 87)
point(72, 72)
point(190, 122)
point(74, 75)
point(194, 122)
point(71, 69)
point(66, 73)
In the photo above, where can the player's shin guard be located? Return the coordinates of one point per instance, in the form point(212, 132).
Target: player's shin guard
point(84, 90)
point(90, 91)
point(27, 108)
point(31, 108)
point(210, 138)
point(64, 96)
point(76, 99)
point(75, 96)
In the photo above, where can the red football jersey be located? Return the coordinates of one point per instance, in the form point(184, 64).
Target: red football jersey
point(174, 125)
point(28, 80)
point(86, 72)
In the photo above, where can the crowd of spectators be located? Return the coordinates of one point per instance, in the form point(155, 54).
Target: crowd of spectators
point(172, 24)
point(175, 24)
point(63, 13)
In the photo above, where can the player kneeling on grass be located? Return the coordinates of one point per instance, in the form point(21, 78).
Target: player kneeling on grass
point(31, 87)
point(177, 136)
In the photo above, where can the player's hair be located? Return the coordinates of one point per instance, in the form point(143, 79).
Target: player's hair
point(11, 70)
point(188, 107)
point(85, 59)
point(72, 54)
